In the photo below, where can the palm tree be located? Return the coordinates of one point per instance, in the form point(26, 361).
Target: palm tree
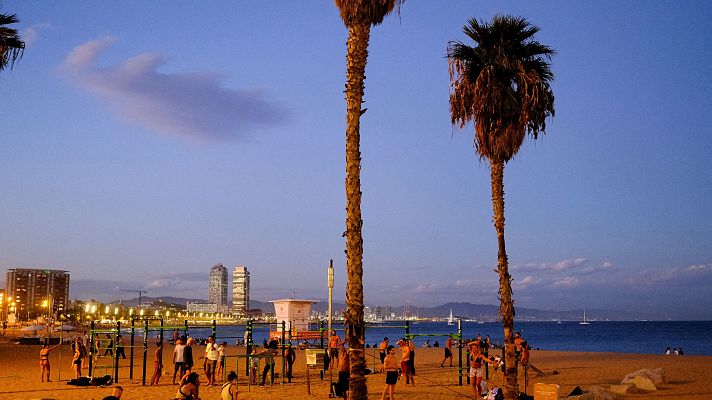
point(11, 46)
point(358, 16)
point(503, 86)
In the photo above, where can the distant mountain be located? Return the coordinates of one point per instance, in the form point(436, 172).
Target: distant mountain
point(462, 310)
point(176, 301)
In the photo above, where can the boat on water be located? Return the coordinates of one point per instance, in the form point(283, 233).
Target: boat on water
point(450, 319)
point(584, 322)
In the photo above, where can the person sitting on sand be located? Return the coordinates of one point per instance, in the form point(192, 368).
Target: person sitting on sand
point(115, 394)
point(44, 360)
point(189, 385)
point(390, 366)
point(229, 388)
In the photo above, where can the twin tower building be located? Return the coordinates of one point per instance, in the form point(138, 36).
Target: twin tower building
point(217, 290)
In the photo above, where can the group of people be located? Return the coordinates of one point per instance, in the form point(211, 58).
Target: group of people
point(675, 351)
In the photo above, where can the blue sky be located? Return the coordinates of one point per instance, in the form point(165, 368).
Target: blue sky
point(144, 142)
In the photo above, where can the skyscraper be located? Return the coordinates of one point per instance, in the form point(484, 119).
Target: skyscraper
point(217, 287)
point(35, 292)
point(240, 290)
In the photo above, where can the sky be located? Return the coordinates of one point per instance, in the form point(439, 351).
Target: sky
point(144, 142)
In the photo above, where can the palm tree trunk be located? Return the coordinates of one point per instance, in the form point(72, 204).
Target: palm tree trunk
point(506, 308)
point(357, 53)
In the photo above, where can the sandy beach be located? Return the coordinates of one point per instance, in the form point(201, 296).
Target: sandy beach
point(688, 376)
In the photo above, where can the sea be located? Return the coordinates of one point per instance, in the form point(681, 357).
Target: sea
point(642, 337)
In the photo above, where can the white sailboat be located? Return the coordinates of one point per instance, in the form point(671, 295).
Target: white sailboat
point(450, 319)
point(584, 322)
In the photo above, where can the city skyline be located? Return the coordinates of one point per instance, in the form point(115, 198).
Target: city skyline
point(133, 157)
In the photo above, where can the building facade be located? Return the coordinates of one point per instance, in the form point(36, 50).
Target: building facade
point(217, 287)
point(32, 293)
point(240, 290)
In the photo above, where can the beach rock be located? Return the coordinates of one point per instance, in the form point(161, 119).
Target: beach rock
point(657, 375)
point(624, 389)
point(600, 393)
point(642, 383)
point(593, 393)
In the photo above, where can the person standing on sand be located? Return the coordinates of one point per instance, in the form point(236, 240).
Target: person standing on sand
point(382, 351)
point(411, 346)
point(271, 349)
point(44, 360)
point(157, 364)
point(109, 346)
point(334, 343)
point(120, 347)
point(188, 356)
point(291, 357)
point(390, 366)
point(79, 353)
point(211, 360)
point(221, 361)
point(405, 361)
point(448, 352)
point(254, 361)
point(344, 372)
point(476, 371)
point(178, 360)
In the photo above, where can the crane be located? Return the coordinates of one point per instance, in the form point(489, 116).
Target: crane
point(140, 293)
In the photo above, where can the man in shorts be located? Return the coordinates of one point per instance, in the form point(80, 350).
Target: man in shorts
point(448, 352)
point(334, 342)
point(178, 360)
point(382, 350)
point(211, 360)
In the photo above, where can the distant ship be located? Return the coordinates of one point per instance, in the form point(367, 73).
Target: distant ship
point(584, 322)
point(450, 319)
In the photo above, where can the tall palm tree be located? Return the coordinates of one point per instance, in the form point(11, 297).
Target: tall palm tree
point(358, 16)
point(11, 46)
point(502, 84)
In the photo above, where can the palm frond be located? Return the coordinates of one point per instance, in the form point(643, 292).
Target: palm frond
point(502, 84)
point(11, 46)
point(366, 11)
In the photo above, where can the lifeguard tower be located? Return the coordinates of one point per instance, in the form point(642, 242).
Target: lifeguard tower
point(295, 314)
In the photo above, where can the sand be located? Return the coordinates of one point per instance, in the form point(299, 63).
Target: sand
point(688, 376)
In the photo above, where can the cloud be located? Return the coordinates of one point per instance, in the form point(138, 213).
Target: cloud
point(176, 281)
point(526, 282)
point(562, 265)
point(31, 34)
point(190, 105)
point(566, 282)
point(688, 274)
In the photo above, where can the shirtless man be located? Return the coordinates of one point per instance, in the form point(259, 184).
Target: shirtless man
point(382, 350)
point(334, 343)
point(448, 352)
point(405, 361)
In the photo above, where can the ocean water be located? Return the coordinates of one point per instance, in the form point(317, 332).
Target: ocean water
point(643, 337)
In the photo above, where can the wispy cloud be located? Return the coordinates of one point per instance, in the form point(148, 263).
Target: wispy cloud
point(566, 282)
point(526, 282)
point(695, 273)
point(31, 34)
point(562, 265)
point(190, 105)
point(176, 281)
